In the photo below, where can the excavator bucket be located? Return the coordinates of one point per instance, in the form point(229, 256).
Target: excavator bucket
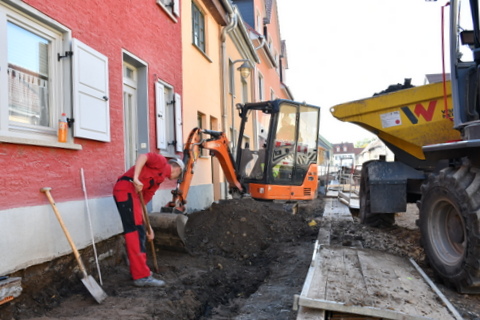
point(169, 229)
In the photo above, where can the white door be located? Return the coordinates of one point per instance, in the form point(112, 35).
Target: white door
point(130, 114)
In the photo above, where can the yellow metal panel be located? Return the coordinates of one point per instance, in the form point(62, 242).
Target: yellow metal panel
point(408, 119)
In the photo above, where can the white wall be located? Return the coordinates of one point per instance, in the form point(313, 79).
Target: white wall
point(32, 235)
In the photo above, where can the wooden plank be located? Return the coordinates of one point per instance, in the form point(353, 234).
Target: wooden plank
point(399, 285)
point(350, 199)
point(370, 283)
point(332, 194)
point(358, 310)
point(324, 232)
point(337, 211)
point(447, 303)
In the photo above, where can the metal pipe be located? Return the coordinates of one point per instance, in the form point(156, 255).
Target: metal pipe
point(223, 66)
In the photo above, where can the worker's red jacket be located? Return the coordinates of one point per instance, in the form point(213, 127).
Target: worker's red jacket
point(154, 172)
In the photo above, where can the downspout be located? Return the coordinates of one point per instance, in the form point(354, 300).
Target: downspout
point(262, 43)
point(260, 46)
point(224, 67)
point(224, 72)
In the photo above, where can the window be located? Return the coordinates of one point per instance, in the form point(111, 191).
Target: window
point(40, 79)
point(169, 123)
point(30, 94)
point(201, 123)
point(198, 28)
point(259, 25)
point(260, 87)
point(231, 80)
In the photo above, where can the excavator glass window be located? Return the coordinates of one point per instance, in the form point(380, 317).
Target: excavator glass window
point(283, 157)
point(254, 156)
point(284, 143)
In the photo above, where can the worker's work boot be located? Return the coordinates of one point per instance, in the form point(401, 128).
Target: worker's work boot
point(148, 282)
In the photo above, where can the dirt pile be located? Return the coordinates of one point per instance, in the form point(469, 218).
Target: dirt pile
point(242, 229)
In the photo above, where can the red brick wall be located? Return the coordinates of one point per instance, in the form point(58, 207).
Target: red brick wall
point(108, 26)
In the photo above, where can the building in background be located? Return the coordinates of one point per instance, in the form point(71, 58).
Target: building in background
point(375, 150)
point(344, 155)
point(215, 45)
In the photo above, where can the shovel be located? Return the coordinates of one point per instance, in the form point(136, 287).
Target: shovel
point(147, 222)
point(92, 286)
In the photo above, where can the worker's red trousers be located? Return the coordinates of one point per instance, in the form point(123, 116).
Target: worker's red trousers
point(130, 209)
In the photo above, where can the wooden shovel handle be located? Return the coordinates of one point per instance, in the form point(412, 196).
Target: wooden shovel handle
point(147, 222)
point(144, 208)
point(64, 228)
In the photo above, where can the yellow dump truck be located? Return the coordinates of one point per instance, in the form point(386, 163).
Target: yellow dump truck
point(434, 132)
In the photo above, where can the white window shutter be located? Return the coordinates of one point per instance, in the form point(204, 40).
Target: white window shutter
point(91, 109)
point(160, 113)
point(178, 123)
point(176, 7)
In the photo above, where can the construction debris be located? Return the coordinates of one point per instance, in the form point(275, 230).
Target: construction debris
point(10, 288)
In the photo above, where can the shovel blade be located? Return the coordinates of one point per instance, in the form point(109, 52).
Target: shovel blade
point(94, 288)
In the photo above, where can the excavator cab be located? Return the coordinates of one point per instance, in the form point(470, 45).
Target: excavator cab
point(280, 161)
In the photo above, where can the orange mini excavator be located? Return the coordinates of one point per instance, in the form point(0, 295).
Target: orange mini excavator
point(278, 163)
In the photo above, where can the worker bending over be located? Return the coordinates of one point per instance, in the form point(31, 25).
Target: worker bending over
point(149, 171)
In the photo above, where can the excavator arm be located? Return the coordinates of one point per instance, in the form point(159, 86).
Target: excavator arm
point(218, 144)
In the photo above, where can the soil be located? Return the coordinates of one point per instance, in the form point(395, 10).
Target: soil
point(244, 259)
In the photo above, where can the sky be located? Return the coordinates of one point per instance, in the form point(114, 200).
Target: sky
point(344, 50)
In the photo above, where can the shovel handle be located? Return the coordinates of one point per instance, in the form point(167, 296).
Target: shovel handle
point(64, 228)
point(147, 222)
point(144, 208)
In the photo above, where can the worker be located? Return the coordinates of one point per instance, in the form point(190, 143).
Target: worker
point(149, 171)
point(286, 131)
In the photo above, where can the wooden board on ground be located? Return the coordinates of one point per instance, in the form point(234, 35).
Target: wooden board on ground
point(335, 210)
point(349, 199)
point(366, 282)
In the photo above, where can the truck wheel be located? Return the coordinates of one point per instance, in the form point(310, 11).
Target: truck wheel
point(449, 226)
point(366, 216)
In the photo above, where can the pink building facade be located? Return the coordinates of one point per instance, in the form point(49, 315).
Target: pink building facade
point(115, 69)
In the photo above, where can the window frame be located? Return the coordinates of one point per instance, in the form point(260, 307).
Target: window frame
point(202, 124)
point(59, 38)
point(200, 41)
point(261, 87)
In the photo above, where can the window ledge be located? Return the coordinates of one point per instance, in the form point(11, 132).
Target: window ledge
point(41, 143)
point(202, 52)
point(168, 12)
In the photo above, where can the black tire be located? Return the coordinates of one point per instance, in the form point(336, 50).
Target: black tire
point(449, 226)
point(379, 220)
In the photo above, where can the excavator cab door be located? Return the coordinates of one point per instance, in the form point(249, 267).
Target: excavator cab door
point(280, 162)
